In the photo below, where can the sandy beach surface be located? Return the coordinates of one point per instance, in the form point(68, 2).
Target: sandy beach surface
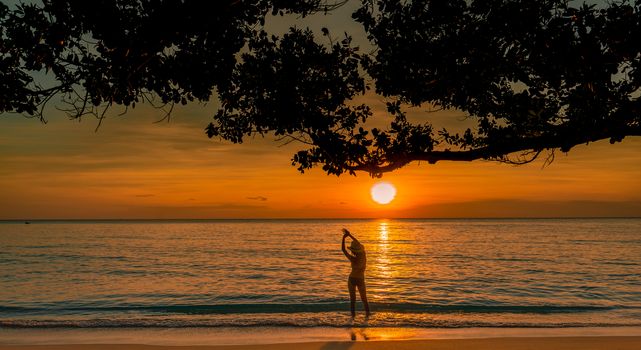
point(255, 338)
point(514, 343)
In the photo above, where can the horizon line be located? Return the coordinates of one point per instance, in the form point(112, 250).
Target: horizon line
point(322, 218)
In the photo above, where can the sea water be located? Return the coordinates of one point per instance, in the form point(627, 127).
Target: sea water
point(273, 273)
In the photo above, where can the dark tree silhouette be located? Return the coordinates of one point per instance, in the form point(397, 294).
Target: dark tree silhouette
point(100, 53)
point(533, 75)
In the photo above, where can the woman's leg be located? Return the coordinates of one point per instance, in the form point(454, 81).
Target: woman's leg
point(363, 292)
point(352, 296)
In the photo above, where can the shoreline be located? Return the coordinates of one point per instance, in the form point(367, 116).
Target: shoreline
point(516, 343)
point(255, 337)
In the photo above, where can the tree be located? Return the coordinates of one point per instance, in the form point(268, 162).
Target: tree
point(533, 75)
point(95, 54)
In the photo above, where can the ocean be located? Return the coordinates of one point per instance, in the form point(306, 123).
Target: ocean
point(432, 273)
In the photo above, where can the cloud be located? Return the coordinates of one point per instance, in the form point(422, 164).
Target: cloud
point(258, 198)
point(145, 195)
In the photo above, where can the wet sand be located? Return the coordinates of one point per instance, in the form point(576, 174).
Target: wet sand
point(511, 343)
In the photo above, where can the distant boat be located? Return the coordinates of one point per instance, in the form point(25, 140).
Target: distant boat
point(26, 222)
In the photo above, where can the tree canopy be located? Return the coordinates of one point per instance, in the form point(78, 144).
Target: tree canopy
point(533, 76)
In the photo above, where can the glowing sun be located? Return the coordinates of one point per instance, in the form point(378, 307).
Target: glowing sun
point(383, 192)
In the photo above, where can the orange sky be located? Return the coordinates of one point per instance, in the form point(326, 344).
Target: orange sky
point(133, 168)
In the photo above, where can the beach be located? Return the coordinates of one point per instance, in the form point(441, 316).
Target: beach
point(438, 284)
point(437, 175)
point(323, 338)
point(540, 343)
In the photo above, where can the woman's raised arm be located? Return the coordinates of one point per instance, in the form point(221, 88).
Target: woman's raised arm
point(347, 254)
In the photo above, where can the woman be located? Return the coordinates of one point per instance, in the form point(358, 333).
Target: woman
point(357, 276)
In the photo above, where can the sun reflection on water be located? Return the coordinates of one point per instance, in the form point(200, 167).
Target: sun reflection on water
point(382, 229)
point(383, 261)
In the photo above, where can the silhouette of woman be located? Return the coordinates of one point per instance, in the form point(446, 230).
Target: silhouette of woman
point(356, 278)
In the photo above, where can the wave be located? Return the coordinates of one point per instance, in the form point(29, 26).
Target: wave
point(328, 314)
point(337, 322)
point(283, 308)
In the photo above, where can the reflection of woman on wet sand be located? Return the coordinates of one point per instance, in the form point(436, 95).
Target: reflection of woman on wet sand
point(357, 276)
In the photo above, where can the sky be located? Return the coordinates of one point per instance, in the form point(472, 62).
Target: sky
point(133, 168)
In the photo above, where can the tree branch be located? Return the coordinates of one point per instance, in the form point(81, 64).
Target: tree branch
point(537, 144)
